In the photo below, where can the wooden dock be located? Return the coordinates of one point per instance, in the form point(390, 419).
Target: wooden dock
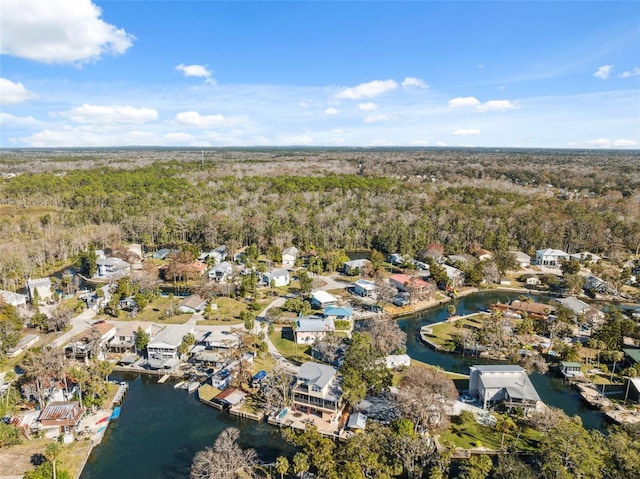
point(122, 390)
point(164, 378)
point(593, 398)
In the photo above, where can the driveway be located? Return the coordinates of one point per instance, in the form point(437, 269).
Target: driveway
point(79, 324)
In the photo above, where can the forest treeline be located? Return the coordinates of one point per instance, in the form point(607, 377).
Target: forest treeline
point(393, 201)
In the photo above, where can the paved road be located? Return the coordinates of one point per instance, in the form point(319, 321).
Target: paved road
point(79, 324)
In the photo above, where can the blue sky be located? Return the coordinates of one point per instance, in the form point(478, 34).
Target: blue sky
point(209, 73)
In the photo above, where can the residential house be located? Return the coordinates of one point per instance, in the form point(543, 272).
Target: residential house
point(62, 416)
point(483, 254)
point(162, 350)
point(277, 278)
point(633, 389)
point(456, 276)
point(289, 257)
point(396, 361)
point(523, 259)
point(322, 299)
point(124, 340)
point(585, 257)
point(316, 391)
point(406, 283)
point(24, 344)
point(42, 286)
point(217, 255)
point(357, 422)
point(356, 266)
point(571, 369)
point(221, 341)
point(581, 310)
point(192, 304)
point(221, 379)
point(309, 330)
point(550, 257)
point(461, 259)
point(107, 332)
point(631, 356)
point(211, 359)
point(343, 314)
point(161, 254)
point(365, 288)
point(221, 272)
point(532, 280)
point(14, 299)
point(112, 268)
point(517, 308)
point(505, 386)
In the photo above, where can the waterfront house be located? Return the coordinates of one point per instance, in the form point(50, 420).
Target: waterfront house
point(506, 386)
point(221, 341)
point(309, 330)
point(161, 254)
point(124, 340)
point(550, 257)
point(580, 309)
point(517, 308)
point(211, 359)
point(221, 272)
point(455, 276)
point(316, 391)
point(289, 257)
point(221, 379)
point(277, 278)
point(14, 299)
point(216, 255)
point(633, 392)
point(483, 254)
point(356, 266)
point(192, 304)
point(585, 257)
point(406, 283)
point(365, 288)
point(162, 350)
point(570, 369)
point(112, 268)
point(343, 314)
point(322, 299)
point(61, 416)
point(42, 287)
point(631, 356)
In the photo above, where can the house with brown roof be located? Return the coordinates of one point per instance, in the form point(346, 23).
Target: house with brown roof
point(518, 308)
point(406, 283)
point(64, 415)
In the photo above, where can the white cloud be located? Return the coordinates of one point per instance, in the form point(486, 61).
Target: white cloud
point(635, 71)
point(367, 106)
point(411, 82)
point(331, 111)
point(440, 143)
point(603, 72)
point(496, 105)
point(8, 120)
point(193, 118)
point(375, 118)
point(419, 143)
point(64, 31)
point(466, 132)
point(200, 71)
point(295, 140)
point(367, 90)
point(380, 142)
point(466, 101)
point(12, 93)
point(179, 138)
point(607, 143)
point(90, 114)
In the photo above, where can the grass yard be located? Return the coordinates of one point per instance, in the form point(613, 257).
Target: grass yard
point(267, 363)
point(443, 333)
point(289, 349)
point(468, 435)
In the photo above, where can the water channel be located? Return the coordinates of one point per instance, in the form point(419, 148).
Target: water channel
point(161, 428)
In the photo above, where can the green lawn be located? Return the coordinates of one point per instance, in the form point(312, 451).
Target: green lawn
point(294, 352)
point(267, 364)
point(443, 333)
point(468, 434)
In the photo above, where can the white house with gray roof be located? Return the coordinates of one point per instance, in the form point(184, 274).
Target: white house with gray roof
point(112, 268)
point(289, 257)
point(550, 257)
point(162, 350)
point(14, 299)
point(502, 385)
point(221, 272)
point(316, 391)
point(43, 286)
point(581, 309)
point(309, 330)
point(279, 277)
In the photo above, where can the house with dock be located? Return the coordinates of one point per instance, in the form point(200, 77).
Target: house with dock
point(518, 308)
point(316, 391)
point(162, 350)
point(61, 417)
point(502, 386)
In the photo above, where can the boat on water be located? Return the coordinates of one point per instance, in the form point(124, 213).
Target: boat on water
point(101, 429)
point(193, 385)
point(104, 419)
point(180, 385)
point(116, 413)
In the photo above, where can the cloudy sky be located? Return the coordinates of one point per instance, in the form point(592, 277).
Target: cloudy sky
point(211, 73)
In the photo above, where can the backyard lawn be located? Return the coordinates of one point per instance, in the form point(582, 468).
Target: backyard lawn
point(470, 434)
point(299, 353)
point(443, 333)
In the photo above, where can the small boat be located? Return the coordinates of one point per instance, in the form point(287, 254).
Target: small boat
point(116, 412)
point(179, 385)
point(101, 429)
point(193, 385)
point(104, 419)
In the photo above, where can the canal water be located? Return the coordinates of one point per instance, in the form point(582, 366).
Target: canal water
point(552, 390)
point(161, 428)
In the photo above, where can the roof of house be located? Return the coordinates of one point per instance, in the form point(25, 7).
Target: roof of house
point(574, 304)
point(12, 298)
point(172, 334)
point(518, 387)
point(365, 284)
point(231, 395)
point(316, 373)
point(357, 263)
point(498, 368)
point(527, 306)
point(357, 421)
point(115, 262)
point(315, 325)
point(291, 251)
point(633, 354)
point(104, 328)
point(61, 411)
point(521, 256)
point(323, 297)
point(277, 273)
point(410, 281)
point(38, 283)
point(570, 364)
point(222, 267)
point(550, 252)
point(194, 302)
point(333, 311)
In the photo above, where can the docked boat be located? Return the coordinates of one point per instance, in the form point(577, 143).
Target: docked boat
point(116, 413)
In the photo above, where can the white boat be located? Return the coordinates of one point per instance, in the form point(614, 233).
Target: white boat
point(193, 385)
point(180, 385)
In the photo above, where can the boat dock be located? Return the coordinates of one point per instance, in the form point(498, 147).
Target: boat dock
point(122, 390)
point(164, 378)
point(593, 398)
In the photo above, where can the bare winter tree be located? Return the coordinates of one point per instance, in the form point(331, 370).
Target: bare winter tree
point(225, 459)
point(424, 395)
point(386, 335)
point(276, 390)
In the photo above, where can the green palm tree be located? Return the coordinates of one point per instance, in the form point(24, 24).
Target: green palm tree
point(282, 465)
point(505, 424)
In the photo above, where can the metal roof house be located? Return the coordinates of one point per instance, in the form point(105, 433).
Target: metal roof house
point(505, 386)
point(162, 350)
point(322, 299)
point(316, 391)
point(310, 330)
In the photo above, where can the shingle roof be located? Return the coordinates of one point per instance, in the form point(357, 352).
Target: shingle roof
point(316, 374)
